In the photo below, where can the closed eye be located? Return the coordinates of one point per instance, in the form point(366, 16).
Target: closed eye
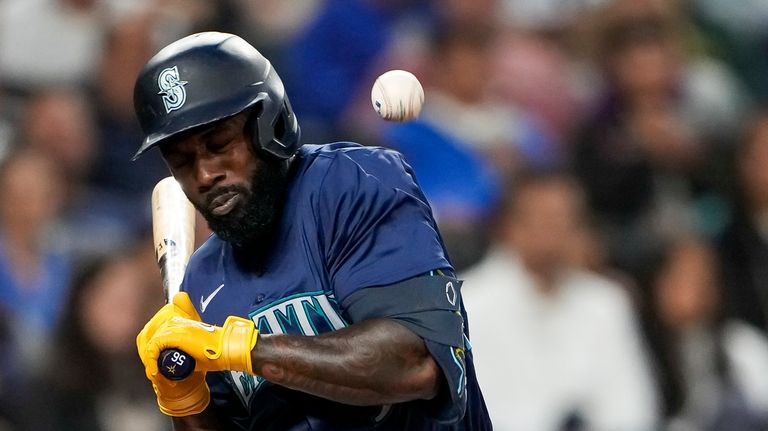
point(177, 154)
point(219, 145)
point(178, 162)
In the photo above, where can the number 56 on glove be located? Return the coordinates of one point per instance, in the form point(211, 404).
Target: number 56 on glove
point(215, 348)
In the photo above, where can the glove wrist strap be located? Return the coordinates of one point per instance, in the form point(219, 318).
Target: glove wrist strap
point(240, 337)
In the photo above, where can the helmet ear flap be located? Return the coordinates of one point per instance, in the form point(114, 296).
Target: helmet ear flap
point(290, 130)
point(285, 132)
point(252, 125)
point(274, 129)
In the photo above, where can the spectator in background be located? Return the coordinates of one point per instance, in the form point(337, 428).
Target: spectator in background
point(325, 63)
point(711, 369)
point(92, 381)
point(743, 246)
point(557, 346)
point(461, 102)
point(49, 42)
point(416, 33)
point(465, 143)
point(119, 189)
point(534, 72)
point(58, 123)
point(704, 93)
point(275, 23)
point(34, 271)
point(637, 155)
point(128, 47)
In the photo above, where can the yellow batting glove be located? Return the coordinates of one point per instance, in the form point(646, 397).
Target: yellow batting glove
point(215, 348)
point(175, 398)
point(183, 397)
point(181, 306)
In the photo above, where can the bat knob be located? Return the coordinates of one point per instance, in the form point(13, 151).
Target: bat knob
point(175, 364)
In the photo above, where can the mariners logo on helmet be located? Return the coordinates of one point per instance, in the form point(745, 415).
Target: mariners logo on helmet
point(172, 89)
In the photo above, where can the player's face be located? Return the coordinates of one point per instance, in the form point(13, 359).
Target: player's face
point(544, 225)
point(235, 190)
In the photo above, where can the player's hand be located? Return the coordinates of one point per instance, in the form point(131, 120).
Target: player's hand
point(181, 397)
point(175, 398)
point(215, 348)
point(181, 306)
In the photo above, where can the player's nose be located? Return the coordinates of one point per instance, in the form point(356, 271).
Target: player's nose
point(208, 173)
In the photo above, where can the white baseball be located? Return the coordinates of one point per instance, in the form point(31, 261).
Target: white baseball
point(397, 95)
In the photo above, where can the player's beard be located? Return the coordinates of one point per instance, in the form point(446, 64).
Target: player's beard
point(251, 224)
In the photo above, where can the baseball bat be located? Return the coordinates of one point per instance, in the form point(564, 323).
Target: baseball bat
point(173, 231)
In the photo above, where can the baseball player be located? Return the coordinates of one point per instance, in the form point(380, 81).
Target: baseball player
point(324, 300)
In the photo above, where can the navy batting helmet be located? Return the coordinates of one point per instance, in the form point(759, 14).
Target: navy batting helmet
point(209, 76)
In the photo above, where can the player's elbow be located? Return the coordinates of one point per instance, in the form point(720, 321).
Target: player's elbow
point(430, 379)
point(420, 382)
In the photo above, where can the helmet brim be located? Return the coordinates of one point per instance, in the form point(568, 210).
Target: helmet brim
point(199, 116)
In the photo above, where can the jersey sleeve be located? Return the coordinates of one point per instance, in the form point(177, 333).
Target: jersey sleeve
point(429, 306)
point(375, 223)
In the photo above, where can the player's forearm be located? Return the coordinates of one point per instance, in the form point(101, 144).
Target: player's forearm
point(205, 421)
point(368, 363)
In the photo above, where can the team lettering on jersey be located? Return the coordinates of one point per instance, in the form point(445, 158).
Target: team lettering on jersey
point(306, 313)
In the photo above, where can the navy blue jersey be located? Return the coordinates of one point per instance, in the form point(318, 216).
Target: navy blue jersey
point(354, 218)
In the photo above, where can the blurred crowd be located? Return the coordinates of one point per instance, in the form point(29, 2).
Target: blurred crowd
point(598, 169)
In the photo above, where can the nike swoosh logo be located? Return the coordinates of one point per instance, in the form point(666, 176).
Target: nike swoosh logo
point(205, 301)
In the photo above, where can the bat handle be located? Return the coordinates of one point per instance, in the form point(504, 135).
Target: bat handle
point(174, 364)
